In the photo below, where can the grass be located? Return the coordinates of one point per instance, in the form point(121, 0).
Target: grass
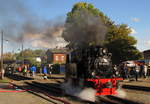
point(4, 81)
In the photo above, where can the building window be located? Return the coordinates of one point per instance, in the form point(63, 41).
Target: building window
point(62, 58)
point(56, 58)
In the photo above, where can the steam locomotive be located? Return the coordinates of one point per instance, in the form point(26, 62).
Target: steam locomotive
point(92, 67)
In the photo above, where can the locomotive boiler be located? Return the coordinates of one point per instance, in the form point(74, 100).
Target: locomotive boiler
point(92, 67)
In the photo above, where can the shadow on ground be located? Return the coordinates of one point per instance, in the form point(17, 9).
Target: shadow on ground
point(18, 77)
point(134, 87)
point(122, 101)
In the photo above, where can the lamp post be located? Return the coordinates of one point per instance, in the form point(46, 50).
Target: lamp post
point(22, 54)
point(2, 70)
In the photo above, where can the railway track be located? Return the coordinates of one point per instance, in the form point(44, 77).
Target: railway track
point(18, 77)
point(118, 100)
point(54, 91)
point(51, 89)
point(134, 87)
point(38, 92)
point(101, 100)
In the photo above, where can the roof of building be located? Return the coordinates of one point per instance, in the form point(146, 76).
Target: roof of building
point(146, 51)
point(64, 51)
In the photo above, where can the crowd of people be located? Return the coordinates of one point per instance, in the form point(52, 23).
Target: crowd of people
point(135, 72)
point(31, 71)
point(123, 70)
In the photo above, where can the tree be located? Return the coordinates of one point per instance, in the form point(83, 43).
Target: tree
point(85, 21)
point(121, 44)
point(30, 55)
point(87, 25)
point(8, 56)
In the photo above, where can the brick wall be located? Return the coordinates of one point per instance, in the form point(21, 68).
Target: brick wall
point(59, 58)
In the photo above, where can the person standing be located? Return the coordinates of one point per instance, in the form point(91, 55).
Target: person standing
point(30, 70)
point(25, 71)
point(148, 70)
point(126, 72)
point(19, 69)
point(136, 70)
point(50, 70)
point(45, 72)
point(141, 70)
point(33, 70)
point(145, 71)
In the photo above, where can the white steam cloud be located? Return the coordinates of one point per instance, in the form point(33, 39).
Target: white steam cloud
point(121, 93)
point(50, 40)
point(21, 25)
point(87, 94)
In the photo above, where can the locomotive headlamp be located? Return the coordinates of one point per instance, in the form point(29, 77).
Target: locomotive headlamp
point(104, 51)
point(93, 73)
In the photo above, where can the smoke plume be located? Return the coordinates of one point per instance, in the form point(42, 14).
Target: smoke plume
point(121, 93)
point(48, 37)
point(87, 94)
point(84, 28)
point(22, 25)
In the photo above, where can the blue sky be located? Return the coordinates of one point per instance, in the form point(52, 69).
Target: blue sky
point(134, 13)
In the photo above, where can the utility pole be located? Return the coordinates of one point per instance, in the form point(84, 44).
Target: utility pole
point(22, 55)
point(2, 70)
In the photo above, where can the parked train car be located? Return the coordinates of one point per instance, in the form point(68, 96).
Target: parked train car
point(92, 67)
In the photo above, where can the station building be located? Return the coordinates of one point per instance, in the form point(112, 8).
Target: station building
point(146, 54)
point(56, 56)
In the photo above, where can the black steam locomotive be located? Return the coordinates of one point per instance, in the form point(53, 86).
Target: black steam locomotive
point(91, 62)
point(93, 65)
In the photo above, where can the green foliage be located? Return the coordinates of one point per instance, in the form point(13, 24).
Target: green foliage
point(8, 56)
point(30, 55)
point(85, 21)
point(4, 81)
point(118, 39)
point(121, 44)
point(122, 50)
